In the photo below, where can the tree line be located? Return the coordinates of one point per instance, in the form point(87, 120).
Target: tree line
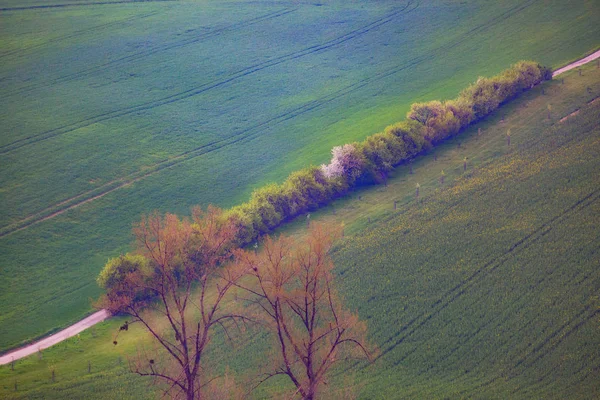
point(370, 160)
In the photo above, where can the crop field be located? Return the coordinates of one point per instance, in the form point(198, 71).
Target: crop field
point(486, 287)
point(489, 289)
point(112, 109)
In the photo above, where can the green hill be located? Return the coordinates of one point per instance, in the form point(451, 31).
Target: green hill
point(484, 287)
point(110, 110)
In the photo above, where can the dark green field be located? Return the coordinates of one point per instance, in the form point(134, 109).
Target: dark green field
point(487, 287)
point(112, 110)
point(490, 289)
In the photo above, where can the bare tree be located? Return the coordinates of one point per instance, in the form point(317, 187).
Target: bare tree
point(183, 283)
point(293, 288)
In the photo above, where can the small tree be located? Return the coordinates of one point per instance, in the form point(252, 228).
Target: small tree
point(293, 288)
point(345, 162)
point(184, 274)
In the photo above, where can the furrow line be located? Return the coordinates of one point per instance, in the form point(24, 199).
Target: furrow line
point(148, 52)
point(447, 298)
point(97, 3)
point(188, 155)
point(197, 90)
point(109, 187)
point(560, 334)
point(82, 32)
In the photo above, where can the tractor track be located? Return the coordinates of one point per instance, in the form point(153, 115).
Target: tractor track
point(245, 134)
point(149, 51)
point(198, 89)
point(92, 29)
point(550, 342)
point(7, 148)
point(460, 290)
point(90, 4)
point(457, 291)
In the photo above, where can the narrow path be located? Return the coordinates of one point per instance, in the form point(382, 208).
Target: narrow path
point(103, 314)
point(56, 338)
point(576, 64)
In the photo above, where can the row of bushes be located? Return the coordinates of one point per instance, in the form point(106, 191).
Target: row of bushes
point(369, 161)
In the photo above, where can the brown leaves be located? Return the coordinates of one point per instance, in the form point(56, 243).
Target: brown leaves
point(163, 240)
point(294, 286)
point(178, 262)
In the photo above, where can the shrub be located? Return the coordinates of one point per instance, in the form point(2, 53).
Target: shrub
point(244, 222)
point(412, 136)
point(462, 110)
point(116, 269)
point(481, 96)
point(440, 119)
point(121, 278)
point(307, 189)
point(346, 162)
point(274, 195)
point(487, 94)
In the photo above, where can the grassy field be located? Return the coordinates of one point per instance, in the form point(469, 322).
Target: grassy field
point(487, 287)
point(112, 110)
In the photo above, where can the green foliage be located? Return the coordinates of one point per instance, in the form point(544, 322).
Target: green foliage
point(411, 135)
point(426, 124)
point(485, 95)
point(306, 190)
point(116, 269)
point(275, 196)
point(437, 118)
point(121, 278)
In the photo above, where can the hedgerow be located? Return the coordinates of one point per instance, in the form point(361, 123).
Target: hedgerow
point(370, 161)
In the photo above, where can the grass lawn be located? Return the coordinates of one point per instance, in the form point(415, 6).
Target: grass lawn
point(484, 287)
point(112, 110)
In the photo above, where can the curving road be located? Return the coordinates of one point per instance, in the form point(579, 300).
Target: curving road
point(103, 314)
point(56, 338)
point(577, 63)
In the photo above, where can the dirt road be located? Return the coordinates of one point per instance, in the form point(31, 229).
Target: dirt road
point(576, 64)
point(56, 338)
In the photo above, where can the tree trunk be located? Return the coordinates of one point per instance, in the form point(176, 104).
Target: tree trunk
point(190, 388)
point(310, 394)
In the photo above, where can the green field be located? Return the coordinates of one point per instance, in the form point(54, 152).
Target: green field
point(112, 110)
point(486, 287)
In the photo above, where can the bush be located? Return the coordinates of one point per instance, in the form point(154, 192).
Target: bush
point(346, 163)
point(441, 120)
point(245, 222)
point(487, 94)
point(116, 269)
point(120, 277)
point(411, 135)
point(304, 190)
point(307, 189)
point(275, 196)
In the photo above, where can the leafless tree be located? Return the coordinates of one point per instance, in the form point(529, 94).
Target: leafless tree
point(292, 286)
